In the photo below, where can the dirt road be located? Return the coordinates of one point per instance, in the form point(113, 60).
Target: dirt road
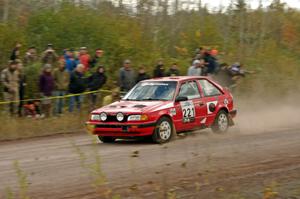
point(197, 165)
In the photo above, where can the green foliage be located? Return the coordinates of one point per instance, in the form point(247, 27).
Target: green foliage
point(263, 39)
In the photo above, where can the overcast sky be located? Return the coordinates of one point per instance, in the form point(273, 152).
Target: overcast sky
point(215, 4)
point(254, 3)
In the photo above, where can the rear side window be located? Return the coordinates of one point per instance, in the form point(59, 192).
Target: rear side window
point(189, 90)
point(209, 89)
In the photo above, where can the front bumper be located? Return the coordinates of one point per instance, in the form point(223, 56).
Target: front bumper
point(121, 130)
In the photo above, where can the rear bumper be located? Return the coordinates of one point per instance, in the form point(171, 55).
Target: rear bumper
point(121, 130)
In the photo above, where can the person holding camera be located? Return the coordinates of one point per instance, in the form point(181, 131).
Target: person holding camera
point(49, 56)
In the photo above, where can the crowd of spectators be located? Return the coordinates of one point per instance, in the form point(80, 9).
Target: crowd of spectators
point(75, 72)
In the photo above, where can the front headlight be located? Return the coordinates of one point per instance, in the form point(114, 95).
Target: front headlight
point(95, 117)
point(103, 117)
point(120, 117)
point(137, 118)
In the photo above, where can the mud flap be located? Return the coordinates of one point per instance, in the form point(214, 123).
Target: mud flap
point(231, 122)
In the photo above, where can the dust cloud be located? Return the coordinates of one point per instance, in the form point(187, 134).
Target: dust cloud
point(257, 115)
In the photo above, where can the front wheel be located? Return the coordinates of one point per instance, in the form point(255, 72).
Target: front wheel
point(163, 131)
point(106, 139)
point(221, 122)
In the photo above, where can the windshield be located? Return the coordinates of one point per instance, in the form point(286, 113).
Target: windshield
point(144, 91)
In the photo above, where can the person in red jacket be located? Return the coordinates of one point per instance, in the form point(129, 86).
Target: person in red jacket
point(84, 58)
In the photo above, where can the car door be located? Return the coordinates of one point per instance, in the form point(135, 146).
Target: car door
point(212, 96)
point(190, 112)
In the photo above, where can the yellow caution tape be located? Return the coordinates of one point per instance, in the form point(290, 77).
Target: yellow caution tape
point(56, 97)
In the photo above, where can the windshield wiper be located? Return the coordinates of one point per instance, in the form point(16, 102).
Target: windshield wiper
point(153, 99)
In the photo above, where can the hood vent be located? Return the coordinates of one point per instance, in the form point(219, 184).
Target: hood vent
point(139, 106)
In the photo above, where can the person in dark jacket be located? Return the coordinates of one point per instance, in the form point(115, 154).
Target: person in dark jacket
point(95, 61)
point(46, 88)
point(173, 71)
point(77, 85)
point(211, 63)
point(159, 70)
point(16, 52)
point(96, 81)
point(142, 75)
point(22, 86)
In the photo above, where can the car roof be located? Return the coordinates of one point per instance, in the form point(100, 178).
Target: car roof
point(176, 78)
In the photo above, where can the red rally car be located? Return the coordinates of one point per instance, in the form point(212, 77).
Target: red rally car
point(164, 106)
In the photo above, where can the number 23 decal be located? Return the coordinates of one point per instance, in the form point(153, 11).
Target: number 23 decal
point(188, 111)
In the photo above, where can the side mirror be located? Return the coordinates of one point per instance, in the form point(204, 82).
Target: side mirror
point(181, 98)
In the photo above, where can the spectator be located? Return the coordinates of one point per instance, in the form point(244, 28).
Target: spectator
point(96, 59)
point(49, 56)
point(211, 63)
point(10, 79)
point(96, 81)
point(84, 58)
point(142, 75)
point(77, 85)
point(30, 56)
point(159, 71)
point(22, 86)
point(16, 52)
point(70, 60)
point(32, 109)
point(61, 82)
point(46, 89)
point(195, 69)
point(173, 71)
point(126, 76)
point(114, 96)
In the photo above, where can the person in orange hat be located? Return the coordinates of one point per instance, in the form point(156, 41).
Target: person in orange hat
point(214, 52)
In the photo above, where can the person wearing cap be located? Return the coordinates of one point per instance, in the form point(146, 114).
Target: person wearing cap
point(10, 78)
point(46, 85)
point(126, 76)
point(84, 58)
point(49, 56)
point(195, 69)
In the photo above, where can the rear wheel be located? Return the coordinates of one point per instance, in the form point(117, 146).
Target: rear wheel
point(163, 131)
point(106, 139)
point(221, 122)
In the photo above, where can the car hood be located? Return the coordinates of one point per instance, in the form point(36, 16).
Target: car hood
point(135, 106)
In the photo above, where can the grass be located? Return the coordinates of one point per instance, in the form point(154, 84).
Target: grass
point(22, 183)
point(15, 128)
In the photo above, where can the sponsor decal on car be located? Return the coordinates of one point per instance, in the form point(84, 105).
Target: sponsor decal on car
point(188, 111)
point(211, 106)
point(173, 112)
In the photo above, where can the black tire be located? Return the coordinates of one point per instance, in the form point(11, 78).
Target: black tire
point(161, 135)
point(106, 139)
point(221, 123)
